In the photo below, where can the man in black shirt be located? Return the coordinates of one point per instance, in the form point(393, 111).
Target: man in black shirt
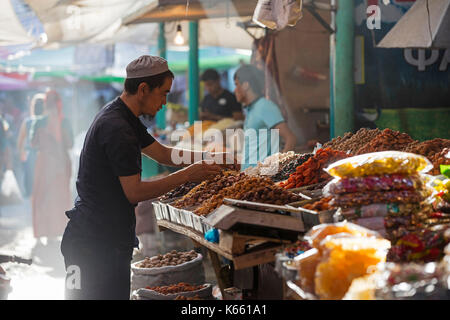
point(219, 103)
point(99, 239)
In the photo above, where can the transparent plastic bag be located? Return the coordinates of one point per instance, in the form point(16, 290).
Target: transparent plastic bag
point(380, 163)
point(318, 233)
point(369, 197)
point(346, 257)
point(373, 183)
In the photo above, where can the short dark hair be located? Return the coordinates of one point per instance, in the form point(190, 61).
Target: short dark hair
point(156, 81)
point(210, 74)
point(252, 75)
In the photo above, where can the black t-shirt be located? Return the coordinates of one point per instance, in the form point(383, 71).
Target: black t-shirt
point(224, 105)
point(112, 148)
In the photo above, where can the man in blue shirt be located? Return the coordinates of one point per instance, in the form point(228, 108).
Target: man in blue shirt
point(262, 116)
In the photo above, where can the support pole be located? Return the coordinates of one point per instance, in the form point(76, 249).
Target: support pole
point(193, 72)
point(344, 73)
point(161, 115)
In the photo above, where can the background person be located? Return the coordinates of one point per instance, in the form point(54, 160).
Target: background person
point(51, 136)
point(26, 152)
point(261, 113)
point(218, 103)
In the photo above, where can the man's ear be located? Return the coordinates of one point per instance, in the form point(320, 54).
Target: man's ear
point(142, 88)
point(245, 85)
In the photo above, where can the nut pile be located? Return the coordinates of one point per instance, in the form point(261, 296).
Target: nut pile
point(338, 143)
point(171, 258)
point(387, 140)
point(428, 148)
point(353, 142)
point(208, 188)
point(442, 157)
point(176, 288)
point(311, 172)
point(179, 191)
point(289, 166)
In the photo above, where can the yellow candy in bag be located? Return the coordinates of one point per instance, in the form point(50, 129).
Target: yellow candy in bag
point(380, 163)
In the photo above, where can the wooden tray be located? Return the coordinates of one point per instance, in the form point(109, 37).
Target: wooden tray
point(228, 217)
point(236, 244)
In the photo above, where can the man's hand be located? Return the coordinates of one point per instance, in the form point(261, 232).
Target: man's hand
point(202, 170)
point(224, 159)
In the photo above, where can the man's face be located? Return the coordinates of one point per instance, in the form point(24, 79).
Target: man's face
point(239, 91)
point(212, 86)
point(154, 99)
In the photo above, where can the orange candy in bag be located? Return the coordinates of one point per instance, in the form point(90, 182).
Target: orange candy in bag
point(344, 259)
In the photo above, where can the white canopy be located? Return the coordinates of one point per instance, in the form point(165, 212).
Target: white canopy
point(11, 30)
point(69, 22)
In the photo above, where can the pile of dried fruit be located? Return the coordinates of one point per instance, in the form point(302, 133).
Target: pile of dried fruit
point(196, 297)
point(289, 166)
point(172, 258)
point(386, 141)
point(208, 188)
point(176, 288)
point(257, 189)
point(311, 172)
point(321, 205)
point(179, 191)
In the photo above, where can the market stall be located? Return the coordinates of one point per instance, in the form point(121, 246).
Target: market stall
point(333, 222)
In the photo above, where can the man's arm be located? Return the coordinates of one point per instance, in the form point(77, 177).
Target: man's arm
point(287, 135)
point(136, 190)
point(166, 155)
point(173, 156)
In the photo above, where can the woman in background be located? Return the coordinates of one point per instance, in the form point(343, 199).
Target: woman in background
point(52, 137)
point(26, 152)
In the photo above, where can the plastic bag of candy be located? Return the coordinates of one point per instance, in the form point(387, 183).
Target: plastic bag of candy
point(380, 163)
point(373, 183)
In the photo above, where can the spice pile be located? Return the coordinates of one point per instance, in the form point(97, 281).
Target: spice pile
point(311, 172)
point(176, 288)
point(172, 258)
point(288, 166)
point(257, 189)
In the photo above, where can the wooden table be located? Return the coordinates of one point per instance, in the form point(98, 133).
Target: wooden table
point(261, 253)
